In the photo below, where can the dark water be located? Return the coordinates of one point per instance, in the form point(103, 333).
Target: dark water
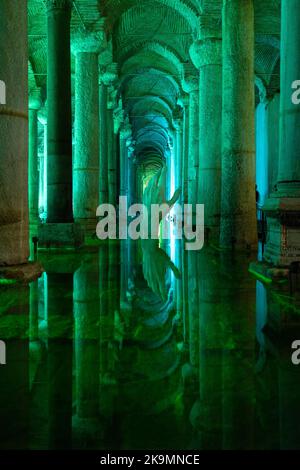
point(97, 360)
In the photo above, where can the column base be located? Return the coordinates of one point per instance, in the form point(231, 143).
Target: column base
point(58, 235)
point(283, 230)
point(88, 226)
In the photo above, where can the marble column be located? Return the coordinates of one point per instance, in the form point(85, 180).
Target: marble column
point(42, 117)
point(109, 78)
point(206, 54)
point(103, 179)
point(60, 230)
point(125, 134)
point(59, 112)
point(238, 206)
point(14, 246)
point(190, 85)
point(86, 48)
point(33, 173)
point(283, 206)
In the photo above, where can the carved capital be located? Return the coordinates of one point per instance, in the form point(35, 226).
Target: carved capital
point(190, 78)
point(126, 130)
point(90, 42)
point(34, 99)
point(206, 52)
point(109, 74)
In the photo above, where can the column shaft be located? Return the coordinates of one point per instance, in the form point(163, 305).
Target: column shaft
point(33, 174)
point(59, 113)
point(283, 206)
point(289, 150)
point(14, 247)
point(238, 217)
point(207, 57)
point(103, 181)
point(86, 158)
point(193, 162)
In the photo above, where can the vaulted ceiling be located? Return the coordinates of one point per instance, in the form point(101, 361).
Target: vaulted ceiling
point(150, 41)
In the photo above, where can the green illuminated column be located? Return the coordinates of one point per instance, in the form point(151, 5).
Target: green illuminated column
point(184, 253)
point(59, 113)
point(191, 86)
point(33, 175)
point(185, 150)
point(86, 48)
point(238, 206)
point(206, 54)
point(42, 116)
point(103, 180)
point(125, 135)
point(178, 123)
point(108, 156)
point(14, 247)
point(283, 206)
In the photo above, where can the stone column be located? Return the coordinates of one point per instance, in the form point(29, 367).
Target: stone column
point(103, 179)
point(86, 48)
point(283, 206)
point(238, 207)
point(125, 134)
point(190, 85)
point(206, 54)
point(185, 151)
point(42, 116)
point(59, 230)
point(14, 246)
point(109, 78)
point(33, 173)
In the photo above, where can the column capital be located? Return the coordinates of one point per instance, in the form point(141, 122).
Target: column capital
point(52, 5)
point(262, 90)
point(90, 42)
point(109, 74)
point(126, 130)
point(178, 118)
point(43, 115)
point(119, 116)
point(34, 99)
point(190, 78)
point(206, 52)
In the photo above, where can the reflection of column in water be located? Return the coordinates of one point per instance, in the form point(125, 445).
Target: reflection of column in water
point(184, 290)
point(210, 352)
point(60, 351)
point(193, 307)
point(266, 383)
point(238, 317)
point(103, 299)
point(86, 314)
point(34, 311)
point(14, 376)
point(114, 277)
point(283, 319)
point(107, 303)
point(178, 262)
